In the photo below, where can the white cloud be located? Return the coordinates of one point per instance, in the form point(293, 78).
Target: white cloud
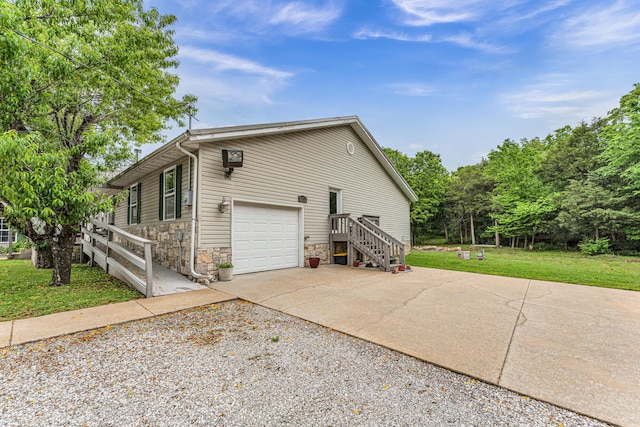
point(416, 146)
point(614, 24)
point(468, 41)
point(230, 90)
point(292, 17)
point(411, 89)
point(554, 99)
point(304, 18)
point(464, 40)
point(371, 34)
point(430, 12)
point(539, 8)
point(224, 62)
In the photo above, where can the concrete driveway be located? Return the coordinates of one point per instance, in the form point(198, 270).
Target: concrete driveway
point(574, 346)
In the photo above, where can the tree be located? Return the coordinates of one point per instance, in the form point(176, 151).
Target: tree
point(468, 196)
point(573, 154)
point(622, 136)
point(620, 172)
point(81, 83)
point(519, 192)
point(428, 179)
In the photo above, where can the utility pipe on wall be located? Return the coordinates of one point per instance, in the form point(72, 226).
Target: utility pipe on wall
point(194, 206)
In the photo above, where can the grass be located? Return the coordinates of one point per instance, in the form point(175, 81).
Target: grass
point(25, 291)
point(607, 271)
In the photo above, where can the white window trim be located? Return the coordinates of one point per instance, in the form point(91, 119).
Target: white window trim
point(6, 228)
point(339, 199)
point(133, 202)
point(165, 195)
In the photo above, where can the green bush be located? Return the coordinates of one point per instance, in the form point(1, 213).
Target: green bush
point(628, 252)
point(595, 247)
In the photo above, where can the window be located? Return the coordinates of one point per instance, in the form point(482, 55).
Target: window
point(169, 207)
point(335, 201)
point(4, 232)
point(170, 194)
point(133, 213)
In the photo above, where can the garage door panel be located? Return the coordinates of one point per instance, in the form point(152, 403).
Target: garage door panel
point(265, 238)
point(241, 227)
point(260, 261)
point(260, 245)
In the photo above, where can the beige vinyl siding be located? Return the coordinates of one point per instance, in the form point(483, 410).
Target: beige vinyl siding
point(149, 202)
point(279, 168)
point(120, 219)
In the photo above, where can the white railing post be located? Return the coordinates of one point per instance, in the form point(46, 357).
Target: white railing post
point(93, 243)
point(387, 260)
point(148, 269)
point(109, 235)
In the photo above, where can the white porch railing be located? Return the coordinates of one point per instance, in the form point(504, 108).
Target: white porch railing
point(102, 233)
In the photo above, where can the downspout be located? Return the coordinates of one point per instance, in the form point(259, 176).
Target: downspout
point(194, 206)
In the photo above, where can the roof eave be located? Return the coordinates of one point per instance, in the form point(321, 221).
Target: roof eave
point(154, 161)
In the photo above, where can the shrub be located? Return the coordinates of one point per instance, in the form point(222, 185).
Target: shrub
point(628, 252)
point(595, 247)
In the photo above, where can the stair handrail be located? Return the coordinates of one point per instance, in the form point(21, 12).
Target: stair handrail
point(146, 264)
point(397, 246)
point(370, 244)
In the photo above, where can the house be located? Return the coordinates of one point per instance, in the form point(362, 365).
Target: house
point(261, 196)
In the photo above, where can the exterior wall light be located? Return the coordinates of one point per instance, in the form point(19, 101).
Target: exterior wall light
point(231, 159)
point(224, 206)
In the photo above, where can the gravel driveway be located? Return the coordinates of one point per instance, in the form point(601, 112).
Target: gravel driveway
point(240, 364)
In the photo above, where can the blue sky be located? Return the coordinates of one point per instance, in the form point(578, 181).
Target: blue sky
point(456, 77)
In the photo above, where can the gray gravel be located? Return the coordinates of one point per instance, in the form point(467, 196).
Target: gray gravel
point(241, 364)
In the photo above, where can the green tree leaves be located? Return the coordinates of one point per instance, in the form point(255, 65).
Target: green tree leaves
point(428, 179)
point(81, 83)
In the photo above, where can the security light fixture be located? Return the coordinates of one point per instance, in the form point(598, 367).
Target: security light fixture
point(224, 206)
point(231, 159)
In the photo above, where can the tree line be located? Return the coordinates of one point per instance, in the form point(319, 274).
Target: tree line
point(577, 187)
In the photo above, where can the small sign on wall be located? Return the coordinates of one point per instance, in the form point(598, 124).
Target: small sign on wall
point(302, 199)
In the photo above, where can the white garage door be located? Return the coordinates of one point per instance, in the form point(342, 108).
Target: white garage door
point(264, 238)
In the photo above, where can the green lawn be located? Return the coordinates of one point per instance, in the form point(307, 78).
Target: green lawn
point(25, 291)
point(607, 271)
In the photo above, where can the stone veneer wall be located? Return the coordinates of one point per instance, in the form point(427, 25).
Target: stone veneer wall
point(167, 250)
point(207, 259)
point(170, 253)
point(318, 250)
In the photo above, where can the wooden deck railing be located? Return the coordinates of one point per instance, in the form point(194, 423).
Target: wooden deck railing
point(396, 249)
point(368, 239)
point(98, 245)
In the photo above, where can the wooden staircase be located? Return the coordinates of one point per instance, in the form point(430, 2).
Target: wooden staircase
point(370, 240)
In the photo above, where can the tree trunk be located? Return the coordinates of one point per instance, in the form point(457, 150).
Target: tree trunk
point(42, 258)
point(62, 251)
point(497, 235)
point(473, 232)
point(461, 236)
point(446, 232)
point(466, 232)
point(526, 239)
point(597, 233)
